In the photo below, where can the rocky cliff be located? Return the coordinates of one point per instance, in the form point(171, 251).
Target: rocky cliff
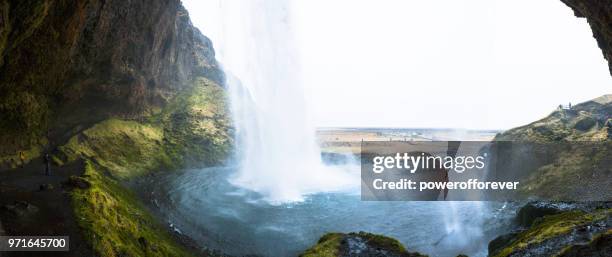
point(68, 64)
point(599, 15)
point(124, 88)
point(576, 161)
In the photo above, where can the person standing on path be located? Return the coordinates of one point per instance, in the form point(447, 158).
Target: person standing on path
point(47, 161)
point(22, 159)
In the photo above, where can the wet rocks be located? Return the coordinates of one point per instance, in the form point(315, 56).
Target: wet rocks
point(360, 244)
point(78, 182)
point(557, 229)
point(534, 210)
point(46, 187)
point(501, 241)
point(61, 60)
point(601, 246)
point(19, 209)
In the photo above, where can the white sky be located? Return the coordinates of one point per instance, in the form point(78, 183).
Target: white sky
point(477, 64)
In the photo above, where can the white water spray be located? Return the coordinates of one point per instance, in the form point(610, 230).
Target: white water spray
point(275, 136)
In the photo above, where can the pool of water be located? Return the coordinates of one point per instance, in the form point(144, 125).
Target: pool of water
point(203, 205)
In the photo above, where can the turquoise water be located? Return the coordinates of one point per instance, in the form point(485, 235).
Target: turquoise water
point(203, 205)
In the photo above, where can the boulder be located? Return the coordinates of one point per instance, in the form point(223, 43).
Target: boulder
point(78, 182)
point(19, 209)
point(46, 187)
point(502, 242)
point(585, 123)
point(360, 244)
point(534, 210)
point(557, 229)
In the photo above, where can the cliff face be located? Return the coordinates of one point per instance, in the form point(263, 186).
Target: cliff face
point(64, 64)
point(575, 165)
point(599, 15)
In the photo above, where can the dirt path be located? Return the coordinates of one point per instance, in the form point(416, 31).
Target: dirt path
point(28, 210)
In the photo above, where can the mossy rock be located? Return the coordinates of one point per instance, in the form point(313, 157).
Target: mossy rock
point(599, 246)
point(528, 214)
point(552, 235)
point(357, 244)
point(327, 246)
point(115, 223)
point(194, 129)
point(585, 123)
point(125, 148)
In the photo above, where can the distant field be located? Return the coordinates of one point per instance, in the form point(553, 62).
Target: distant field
point(349, 139)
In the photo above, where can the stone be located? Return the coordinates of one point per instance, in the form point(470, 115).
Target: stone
point(534, 210)
point(78, 182)
point(132, 56)
point(19, 209)
point(46, 187)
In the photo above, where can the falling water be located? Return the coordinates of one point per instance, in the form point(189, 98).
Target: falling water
point(276, 139)
point(277, 150)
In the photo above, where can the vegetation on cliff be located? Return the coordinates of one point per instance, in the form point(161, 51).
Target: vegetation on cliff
point(586, 121)
point(66, 65)
point(578, 168)
point(555, 234)
point(577, 159)
point(115, 222)
point(129, 87)
point(192, 129)
point(357, 244)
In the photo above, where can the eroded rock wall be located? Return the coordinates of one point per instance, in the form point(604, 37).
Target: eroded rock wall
point(64, 64)
point(599, 15)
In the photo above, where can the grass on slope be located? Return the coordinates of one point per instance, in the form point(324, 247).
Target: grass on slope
point(328, 246)
point(552, 226)
point(115, 223)
point(127, 148)
point(194, 127)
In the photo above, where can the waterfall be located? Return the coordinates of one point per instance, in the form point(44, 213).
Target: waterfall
point(279, 156)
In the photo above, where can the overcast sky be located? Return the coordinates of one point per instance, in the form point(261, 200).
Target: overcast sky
point(478, 64)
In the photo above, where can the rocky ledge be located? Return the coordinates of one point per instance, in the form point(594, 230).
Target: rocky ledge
point(66, 65)
point(360, 244)
point(558, 229)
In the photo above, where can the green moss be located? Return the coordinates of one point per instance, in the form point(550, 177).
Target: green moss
point(552, 226)
point(596, 246)
point(328, 246)
point(126, 148)
point(383, 242)
point(197, 125)
point(193, 129)
point(194, 126)
point(115, 223)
